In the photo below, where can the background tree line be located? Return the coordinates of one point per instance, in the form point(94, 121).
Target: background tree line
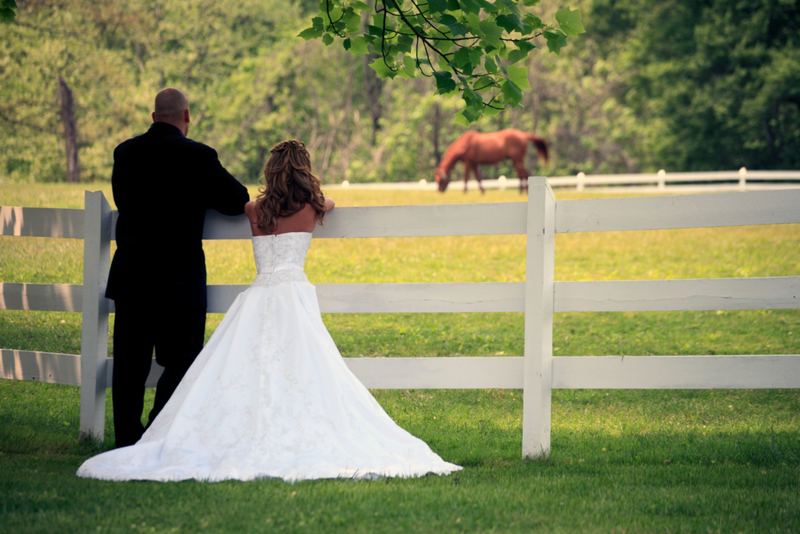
point(680, 84)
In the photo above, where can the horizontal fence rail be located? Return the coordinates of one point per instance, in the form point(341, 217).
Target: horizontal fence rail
point(715, 181)
point(47, 367)
point(42, 222)
point(500, 372)
point(539, 218)
point(608, 296)
point(41, 297)
point(503, 218)
point(673, 212)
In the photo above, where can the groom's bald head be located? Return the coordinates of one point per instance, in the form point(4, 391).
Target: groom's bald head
point(170, 103)
point(172, 107)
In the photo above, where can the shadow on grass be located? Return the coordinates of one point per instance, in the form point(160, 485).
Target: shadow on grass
point(619, 460)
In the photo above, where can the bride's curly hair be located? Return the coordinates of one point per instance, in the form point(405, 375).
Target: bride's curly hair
point(289, 185)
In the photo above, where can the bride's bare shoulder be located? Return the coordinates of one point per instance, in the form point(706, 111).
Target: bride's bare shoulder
point(250, 210)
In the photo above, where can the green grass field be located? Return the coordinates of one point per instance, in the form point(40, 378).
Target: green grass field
point(622, 461)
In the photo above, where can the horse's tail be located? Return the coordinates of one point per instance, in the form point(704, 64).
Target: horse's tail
point(540, 145)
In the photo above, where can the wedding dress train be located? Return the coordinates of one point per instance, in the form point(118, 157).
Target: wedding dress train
point(270, 397)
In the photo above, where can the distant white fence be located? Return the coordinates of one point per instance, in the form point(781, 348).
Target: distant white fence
point(536, 372)
point(657, 182)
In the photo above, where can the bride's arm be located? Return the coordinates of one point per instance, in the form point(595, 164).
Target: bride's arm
point(329, 203)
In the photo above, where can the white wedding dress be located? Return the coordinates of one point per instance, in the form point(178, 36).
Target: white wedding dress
point(271, 397)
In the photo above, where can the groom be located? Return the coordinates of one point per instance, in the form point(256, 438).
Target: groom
point(163, 183)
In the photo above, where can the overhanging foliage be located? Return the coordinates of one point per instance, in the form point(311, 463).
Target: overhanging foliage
point(467, 47)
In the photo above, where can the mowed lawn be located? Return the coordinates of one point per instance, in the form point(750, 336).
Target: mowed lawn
point(622, 461)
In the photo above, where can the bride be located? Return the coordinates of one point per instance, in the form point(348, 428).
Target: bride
point(270, 395)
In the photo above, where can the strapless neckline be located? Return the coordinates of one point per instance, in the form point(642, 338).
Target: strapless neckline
point(284, 233)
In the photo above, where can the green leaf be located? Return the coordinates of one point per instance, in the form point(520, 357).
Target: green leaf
point(352, 20)
point(453, 5)
point(470, 6)
point(410, 65)
point(472, 98)
point(335, 14)
point(327, 39)
point(492, 110)
point(488, 7)
point(458, 29)
point(473, 22)
point(555, 41)
point(511, 6)
point(404, 43)
point(360, 6)
point(512, 93)
point(380, 68)
point(317, 23)
point(459, 118)
point(510, 23)
point(472, 113)
point(447, 20)
point(521, 52)
point(310, 33)
point(374, 30)
point(445, 46)
point(483, 84)
point(444, 82)
point(461, 57)
point(437, 6)
point(404, 71)
point(7, 14)
point(359, 45)
point(491, 33)
point(570, 21)
point(489, 64)
point(346, 44)
point(534, 21)
point(530, 3)
point(475, 55)
point(519, 76)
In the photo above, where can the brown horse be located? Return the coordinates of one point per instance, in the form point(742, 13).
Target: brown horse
point(476, 149)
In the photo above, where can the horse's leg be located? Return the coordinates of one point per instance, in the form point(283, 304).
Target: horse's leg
point(467, 167)
point(519, 165)
point(478, 177)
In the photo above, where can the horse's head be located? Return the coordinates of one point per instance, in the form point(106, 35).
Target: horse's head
point(442, 179)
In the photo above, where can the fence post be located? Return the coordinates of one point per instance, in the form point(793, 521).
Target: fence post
point(94, 321)
point(581, 181)
point(538, 367)
point(742, 179)
point(662, 179)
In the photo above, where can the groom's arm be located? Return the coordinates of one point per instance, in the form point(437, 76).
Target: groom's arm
point(223, 192)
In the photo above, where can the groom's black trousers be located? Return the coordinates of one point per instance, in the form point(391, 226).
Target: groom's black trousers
point(176, 334)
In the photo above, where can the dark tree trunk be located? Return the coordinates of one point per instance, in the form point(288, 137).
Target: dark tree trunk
point(437, 125)
point(70, 129)
point(374, 87)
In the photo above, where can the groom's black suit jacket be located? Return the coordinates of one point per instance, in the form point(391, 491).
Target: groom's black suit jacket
point(163, 183)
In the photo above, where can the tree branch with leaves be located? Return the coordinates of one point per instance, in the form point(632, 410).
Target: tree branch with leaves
point(469, 48)
point(8, 10)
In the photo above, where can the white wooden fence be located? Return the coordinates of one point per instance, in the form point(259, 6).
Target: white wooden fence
point(654, 182)
point(537, 372)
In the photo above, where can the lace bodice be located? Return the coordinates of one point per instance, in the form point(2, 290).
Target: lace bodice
point(280, 258)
